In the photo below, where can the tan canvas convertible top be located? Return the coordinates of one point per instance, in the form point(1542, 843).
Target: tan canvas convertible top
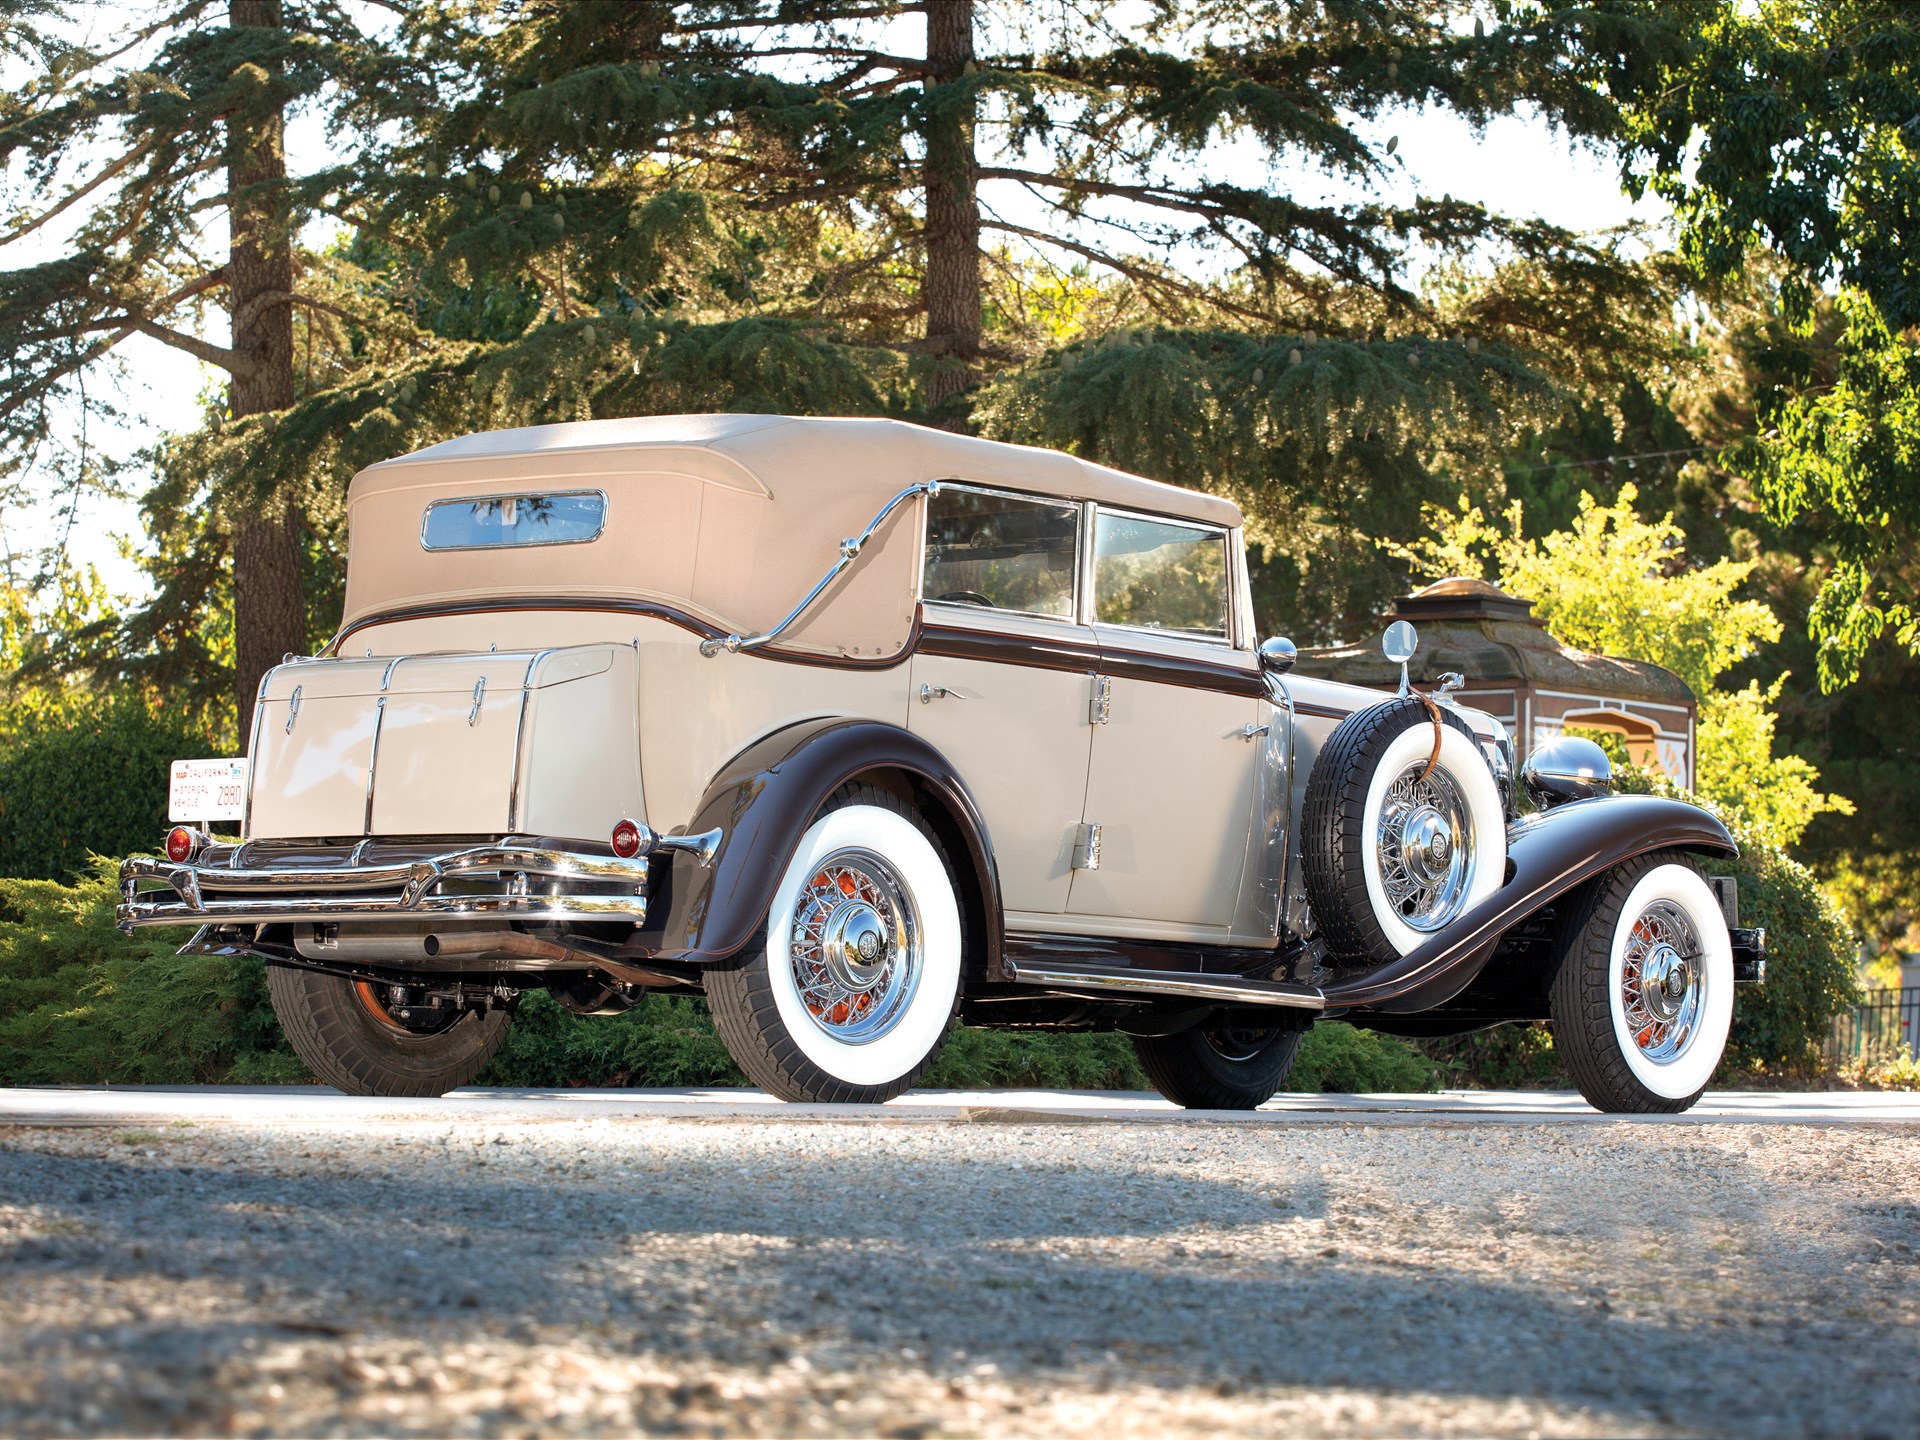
point(730, 517)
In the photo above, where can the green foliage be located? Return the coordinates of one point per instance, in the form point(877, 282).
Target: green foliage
point(91, 778)
point(1339, 1058)
point(82, 1005)
point(1788, 126)
point(664, 1040)
point(1507, 1057)
point(1031, 1059)
point(1620, 585)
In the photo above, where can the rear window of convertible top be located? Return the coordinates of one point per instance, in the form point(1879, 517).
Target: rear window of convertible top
point(497, 521)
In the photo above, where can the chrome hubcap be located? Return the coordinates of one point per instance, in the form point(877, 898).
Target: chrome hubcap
point(855, 946)
point(1662, 988)
point(1425, 847)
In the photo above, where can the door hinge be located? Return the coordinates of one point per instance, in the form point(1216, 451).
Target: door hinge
point(1086, 847)
point(1101, 710)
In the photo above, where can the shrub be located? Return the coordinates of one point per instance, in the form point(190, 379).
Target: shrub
point(82, 1004)
point(664, 1040)
point(1507, 1057)
point(1035, 1059)
point(75, 782)
point(1336, 1057)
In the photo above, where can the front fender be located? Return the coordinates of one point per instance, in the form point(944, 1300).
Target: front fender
point(763, 801)
point(1548, 854)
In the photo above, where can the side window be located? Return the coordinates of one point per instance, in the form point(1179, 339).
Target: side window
point(1000, 552)
point(1159, 576)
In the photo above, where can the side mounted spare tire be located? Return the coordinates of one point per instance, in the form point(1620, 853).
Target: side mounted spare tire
point(1392, 850)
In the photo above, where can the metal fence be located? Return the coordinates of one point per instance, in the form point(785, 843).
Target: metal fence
point(1887, 1023)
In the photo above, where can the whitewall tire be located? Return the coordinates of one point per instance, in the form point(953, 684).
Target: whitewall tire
point(1399, 842)
point(1642, 1001)
point(849, 995)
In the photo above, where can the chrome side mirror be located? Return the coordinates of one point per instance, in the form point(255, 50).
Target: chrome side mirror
point(1277, 655)
point(1399, 643)
point(1569, 768)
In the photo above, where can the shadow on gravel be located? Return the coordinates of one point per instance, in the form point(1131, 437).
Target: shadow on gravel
point(850, 1262)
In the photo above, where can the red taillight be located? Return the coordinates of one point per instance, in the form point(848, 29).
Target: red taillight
point(181, 843)
point(630, 837)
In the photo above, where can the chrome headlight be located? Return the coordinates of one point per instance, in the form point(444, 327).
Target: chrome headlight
point(1568, 768)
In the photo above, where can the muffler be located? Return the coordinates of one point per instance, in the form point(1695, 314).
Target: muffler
point(511, 943)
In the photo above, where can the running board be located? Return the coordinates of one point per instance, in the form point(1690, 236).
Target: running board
point(1187, 984)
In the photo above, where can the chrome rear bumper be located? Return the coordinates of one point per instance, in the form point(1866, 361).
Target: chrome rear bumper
point(517, 877)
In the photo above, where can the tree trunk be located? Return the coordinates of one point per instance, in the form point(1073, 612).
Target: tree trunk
point(951, 290)
point(269, 602)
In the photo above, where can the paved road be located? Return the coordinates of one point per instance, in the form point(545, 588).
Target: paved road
point(292, 1262)
point(147, 1104)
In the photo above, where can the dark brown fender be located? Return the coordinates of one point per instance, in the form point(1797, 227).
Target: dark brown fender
point(1548, 853)
point(764, 799)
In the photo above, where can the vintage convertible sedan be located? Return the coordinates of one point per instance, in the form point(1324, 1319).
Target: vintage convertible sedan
point(856, 727)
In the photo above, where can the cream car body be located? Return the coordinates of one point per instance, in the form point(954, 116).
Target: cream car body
point(1050, 666)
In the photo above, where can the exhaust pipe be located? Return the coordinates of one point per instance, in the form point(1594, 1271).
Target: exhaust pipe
point(531, 947)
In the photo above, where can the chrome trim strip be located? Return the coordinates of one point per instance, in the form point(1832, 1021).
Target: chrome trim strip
point(849, 549)
point(520, 738)
point(1226, 989)
point(373, 750)
point(271, 912)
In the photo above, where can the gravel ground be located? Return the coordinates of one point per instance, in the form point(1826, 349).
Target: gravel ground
point(761, 1276)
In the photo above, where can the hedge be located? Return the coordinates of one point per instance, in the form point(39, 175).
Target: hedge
point(90, 781)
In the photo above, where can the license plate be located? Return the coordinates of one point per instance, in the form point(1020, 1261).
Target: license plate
point(207, 790)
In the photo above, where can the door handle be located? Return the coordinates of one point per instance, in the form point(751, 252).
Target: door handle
point(1249, 730)
point(930, 693)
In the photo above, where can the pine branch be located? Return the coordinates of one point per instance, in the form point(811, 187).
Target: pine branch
point(820, 16)
point(1142, 274)
point(78, 194)
point(219, 356)
point(251, 310)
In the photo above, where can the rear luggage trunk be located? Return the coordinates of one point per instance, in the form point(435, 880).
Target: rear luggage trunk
point(515, 742)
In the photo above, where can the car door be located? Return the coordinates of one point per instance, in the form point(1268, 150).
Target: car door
point(1176, 759)
point(1003, 677)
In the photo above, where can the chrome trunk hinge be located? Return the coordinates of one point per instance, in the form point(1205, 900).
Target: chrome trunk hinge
point(1101, 710)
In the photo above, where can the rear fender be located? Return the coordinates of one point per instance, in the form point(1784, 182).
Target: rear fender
point(1548, 854)
point(764, 799)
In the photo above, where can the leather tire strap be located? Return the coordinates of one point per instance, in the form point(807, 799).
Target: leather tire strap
point(1433, 713)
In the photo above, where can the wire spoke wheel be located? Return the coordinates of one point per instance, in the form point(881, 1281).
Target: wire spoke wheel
point(856, 946)
point(1642, 993)
point(1424, 840)
point(1403, 831)
point(1662, 983)
point(846, 995)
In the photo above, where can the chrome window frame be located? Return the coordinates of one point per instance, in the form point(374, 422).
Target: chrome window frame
point(1230, 640)
point(1082, 540)
point(606, 505)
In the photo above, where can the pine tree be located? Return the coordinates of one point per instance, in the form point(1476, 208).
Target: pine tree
point(173, 124)
point(1117, 134)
